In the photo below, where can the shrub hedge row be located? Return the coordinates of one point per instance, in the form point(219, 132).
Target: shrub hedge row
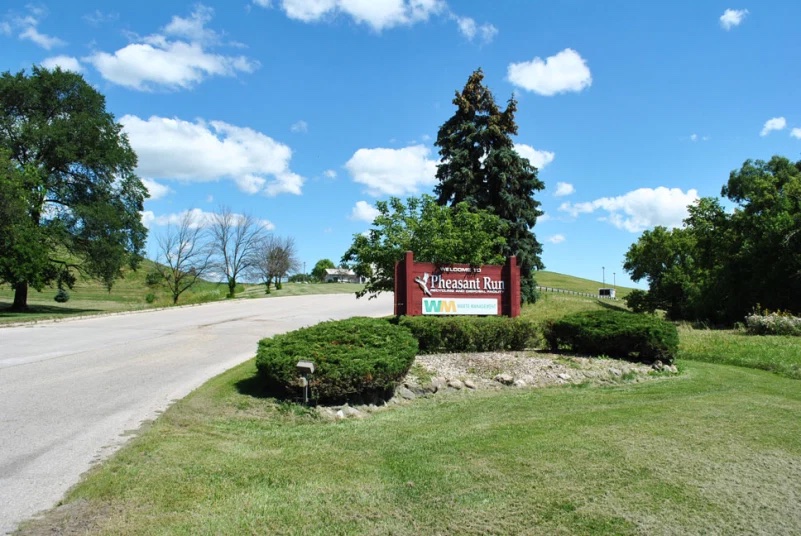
point(768, 323)
point(437, 334)
point(632, 336)
point(356, 360)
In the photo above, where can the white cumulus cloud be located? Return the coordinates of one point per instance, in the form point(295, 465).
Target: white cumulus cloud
point(539, 159)
point(67, 63)
point(563, 189)
point(393, 171)
point(200, 218)
point(364, 211)
point(173, 149)
point(177, 58)
point(563, 72)
point(555, 239)
point(156, 189)
point(776, 123)
point(471, 30)
point(640, 209)
point(377, 14)
point(796, 133)
point(732, 18)
point(330, 174)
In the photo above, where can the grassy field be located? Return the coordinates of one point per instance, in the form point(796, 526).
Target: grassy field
point(577, 284)
point(776, 353)
point(129, 294)
point(714, 450)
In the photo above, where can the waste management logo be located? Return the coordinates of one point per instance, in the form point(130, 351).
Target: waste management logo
point(460, 306)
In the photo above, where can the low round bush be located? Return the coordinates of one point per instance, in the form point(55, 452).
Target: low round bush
point(631, 336)
point(62, 296)
point(356, 360)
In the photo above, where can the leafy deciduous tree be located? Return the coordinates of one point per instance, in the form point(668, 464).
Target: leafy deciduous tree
point(70, 169)
point(481, 167)
point(318, 272)
point(722, 265)
point(435, 233)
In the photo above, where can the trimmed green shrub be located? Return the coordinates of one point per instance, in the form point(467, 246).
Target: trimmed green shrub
point(356, 360)
point(449, 334)
point(150, 297)
point(631, 336)
point(62, 296)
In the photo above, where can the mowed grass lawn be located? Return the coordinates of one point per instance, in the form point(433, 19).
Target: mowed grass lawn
point(714, 450)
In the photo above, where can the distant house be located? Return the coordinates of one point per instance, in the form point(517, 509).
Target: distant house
point(342, 275)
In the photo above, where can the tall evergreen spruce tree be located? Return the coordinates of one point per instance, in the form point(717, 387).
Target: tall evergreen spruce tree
point(479, 165)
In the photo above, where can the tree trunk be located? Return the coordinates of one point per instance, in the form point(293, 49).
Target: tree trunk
point(231, 287)
point(20, 297)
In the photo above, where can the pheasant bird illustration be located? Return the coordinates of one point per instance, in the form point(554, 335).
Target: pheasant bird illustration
point(423, 283)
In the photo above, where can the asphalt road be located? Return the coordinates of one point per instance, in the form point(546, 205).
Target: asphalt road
point(70, 391)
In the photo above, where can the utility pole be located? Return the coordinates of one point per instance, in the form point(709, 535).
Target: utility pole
point(614, 280)
point(603, 275)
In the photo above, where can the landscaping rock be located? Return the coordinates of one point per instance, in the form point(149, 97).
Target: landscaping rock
point(456, 384)
point(349, 411)
point(506, 379)
point(416, 388)
point(406, 394)
point(475, 371)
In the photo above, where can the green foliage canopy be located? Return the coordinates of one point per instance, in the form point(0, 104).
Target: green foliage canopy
point(434, 233)
point(721, 264)
point(318, 272)
point(480, 166)
point(71, 200)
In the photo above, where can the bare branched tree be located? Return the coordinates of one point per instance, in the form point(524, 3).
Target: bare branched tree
point(183, 255)
point(235, 238)
point(275, 258)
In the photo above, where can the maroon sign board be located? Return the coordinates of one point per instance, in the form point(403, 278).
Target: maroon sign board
point(424, 288)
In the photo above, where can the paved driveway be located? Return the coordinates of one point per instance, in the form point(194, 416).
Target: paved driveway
point(69, 390)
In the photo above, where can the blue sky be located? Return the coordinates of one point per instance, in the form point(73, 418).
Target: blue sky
point(305, 112)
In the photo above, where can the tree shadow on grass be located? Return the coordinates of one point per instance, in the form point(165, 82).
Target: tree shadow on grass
point(612, 306)
point(257, 388)
point(6, 311)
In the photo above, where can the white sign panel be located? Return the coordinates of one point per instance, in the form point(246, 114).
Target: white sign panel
point(460, 306)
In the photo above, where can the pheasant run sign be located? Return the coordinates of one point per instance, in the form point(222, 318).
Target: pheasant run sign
point(423, 288)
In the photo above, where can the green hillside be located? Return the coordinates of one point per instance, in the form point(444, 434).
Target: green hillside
point(577, 284)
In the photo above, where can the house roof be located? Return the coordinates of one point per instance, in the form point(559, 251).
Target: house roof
point(340, 271)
